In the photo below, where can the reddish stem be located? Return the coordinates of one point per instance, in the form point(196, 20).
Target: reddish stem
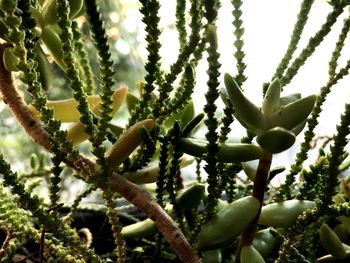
point(260, 180)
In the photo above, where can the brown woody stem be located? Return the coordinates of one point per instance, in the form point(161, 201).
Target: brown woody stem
point(260, 180)
point(19, 108)
point(128, 190)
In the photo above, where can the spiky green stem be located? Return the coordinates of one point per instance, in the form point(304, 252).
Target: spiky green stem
point(238, 43)
point(77, 85)
point(181, 22)
point(115, 224)
point(338, 47)
point(175, 69)
point(302, 18)
point(105, 84)
point(151, 18)
point(211, 122)
point(335, 159)
point(83, 56)
point(312, 45)
point(163, 163)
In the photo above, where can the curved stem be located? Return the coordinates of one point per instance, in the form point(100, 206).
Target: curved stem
point(18, 107)
point(260, 180)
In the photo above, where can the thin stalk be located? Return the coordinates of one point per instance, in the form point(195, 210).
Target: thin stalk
point(6, 244)
point(305, 7)
point(313, 43)
point(113, 220)
point(260, 181)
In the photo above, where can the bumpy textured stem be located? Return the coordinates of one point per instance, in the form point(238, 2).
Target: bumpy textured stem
point(176, 68)
point(211, 122)
point(163, 221)
point(338, 47)
point(260, 180)
point(6, 244)
point(151, 19)
point(211, 10)
point(227, 119)
point(294, 40)
point(183, 93)
point(312, 45)
point(74, 207)
point(83, 58)
point(238, 43)
point(144, 153)
point(76, 83)
point(163, 162)
point(312, 180)
point(180, 21)
point(18, 107)
point(105, 75)
point(50, 221)
point(116, 226)
point(335, 159)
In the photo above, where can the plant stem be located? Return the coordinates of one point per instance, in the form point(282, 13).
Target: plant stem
point(18, 107)
point(6, 244)
point(162, 220)
point(260, 180)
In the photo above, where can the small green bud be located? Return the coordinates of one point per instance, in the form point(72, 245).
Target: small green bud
point(42, 160)
point(33, 161)
point(272, 98)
